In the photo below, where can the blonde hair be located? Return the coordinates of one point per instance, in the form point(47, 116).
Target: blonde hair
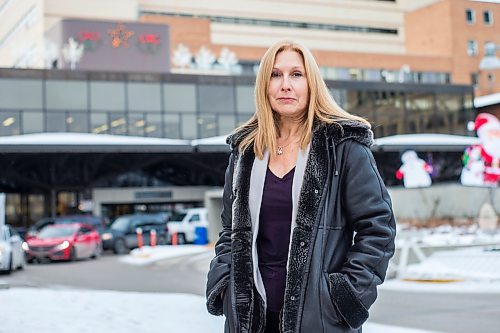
point(263, 126)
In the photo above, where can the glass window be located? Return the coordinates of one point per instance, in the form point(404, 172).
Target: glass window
point(420, 108)
point(144, 96)
point(153, 125)
point(137, 123)
point(56, 122)
point(470, 16)
point(172, 126)
point(107, 96)
point(473, 79)
point(372, 75)
point(216, 98)
point(242, 118)
point(472, 48)
point(359, 103)
point(77, 122)
point(488, 17)
point(32, 122)
point(389, 117)
point(179, 97)
point(450, 115)
point(10, 123)
point(20, 94)
point(188, 126)
point(207, 126)
point(36, 204)
point(491, 78)
point(226, 124)
point(245, 101)
point(66, 95)
point(99, 123)
point(117, 123)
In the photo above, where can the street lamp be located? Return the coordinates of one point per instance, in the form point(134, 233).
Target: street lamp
point(490, 60)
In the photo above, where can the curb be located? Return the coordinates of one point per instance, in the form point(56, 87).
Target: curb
point(4, 285)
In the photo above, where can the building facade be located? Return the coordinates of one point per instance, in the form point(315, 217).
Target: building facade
point(431, 41)
point(182, 106)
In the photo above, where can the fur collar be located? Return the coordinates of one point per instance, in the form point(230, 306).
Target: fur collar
point(338, 131)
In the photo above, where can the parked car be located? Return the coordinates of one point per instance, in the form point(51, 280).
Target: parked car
point(98, 223)
point(184, 224)
point(11, 250)
point(68, 241)
point(121, 236)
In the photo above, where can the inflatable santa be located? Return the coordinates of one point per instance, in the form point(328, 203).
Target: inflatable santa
point(415, 172)
point(487, 128)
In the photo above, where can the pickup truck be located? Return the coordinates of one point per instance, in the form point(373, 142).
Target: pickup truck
point(182, 224)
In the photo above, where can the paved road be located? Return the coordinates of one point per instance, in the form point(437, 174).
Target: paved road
point(181, 275)
point(443, 312)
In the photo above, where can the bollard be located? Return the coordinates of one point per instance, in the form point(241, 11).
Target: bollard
point(152, 234)
point(174, 238)
point(140, 243)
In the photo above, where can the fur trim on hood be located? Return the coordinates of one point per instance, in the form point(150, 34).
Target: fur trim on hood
point(339, 131)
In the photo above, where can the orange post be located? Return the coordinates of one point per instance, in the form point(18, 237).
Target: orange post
point(140, 242)
point(152, 234)
point(174, 238)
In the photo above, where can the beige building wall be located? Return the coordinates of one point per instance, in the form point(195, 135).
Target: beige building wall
point(376, 14)
point(432, 34)
point(21, 33)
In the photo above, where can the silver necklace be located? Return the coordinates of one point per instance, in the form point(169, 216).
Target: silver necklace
point(279, 151)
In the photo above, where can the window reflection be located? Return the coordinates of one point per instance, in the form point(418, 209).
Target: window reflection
point(99, 123)
point(9, 123)
point(117, 124)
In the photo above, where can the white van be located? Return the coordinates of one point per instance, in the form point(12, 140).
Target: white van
point(183, 224)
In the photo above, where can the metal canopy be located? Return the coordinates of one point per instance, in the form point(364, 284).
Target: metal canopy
point(90, 143)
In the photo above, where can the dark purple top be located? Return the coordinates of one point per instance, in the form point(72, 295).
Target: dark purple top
point(275, 223)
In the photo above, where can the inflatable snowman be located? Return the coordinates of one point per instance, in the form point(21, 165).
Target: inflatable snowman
point(473, 171)
point(415, 172)
point(487, 127)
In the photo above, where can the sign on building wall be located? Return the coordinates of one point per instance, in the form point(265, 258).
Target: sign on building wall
point(110, 46)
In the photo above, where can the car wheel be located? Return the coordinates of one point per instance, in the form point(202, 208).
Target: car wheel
point(162, 241)
point(181, 239)
point(120, 247)
point(72, 254)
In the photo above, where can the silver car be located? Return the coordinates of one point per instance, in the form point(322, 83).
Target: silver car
point(11, 250)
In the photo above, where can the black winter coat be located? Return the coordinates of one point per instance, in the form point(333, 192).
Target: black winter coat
point(340, 247)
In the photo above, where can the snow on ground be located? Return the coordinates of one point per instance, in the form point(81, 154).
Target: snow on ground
point(468, 264)
point(91, 311)
point(148, 255)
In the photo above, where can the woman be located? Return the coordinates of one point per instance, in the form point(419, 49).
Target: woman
point(308, 227)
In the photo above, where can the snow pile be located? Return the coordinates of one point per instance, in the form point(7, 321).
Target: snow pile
point(148, 255)
point(447, 235)
point(85, 311)
point(471, 264)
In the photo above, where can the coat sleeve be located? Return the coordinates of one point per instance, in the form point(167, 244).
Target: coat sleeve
point(220, 266)
point(368, 211)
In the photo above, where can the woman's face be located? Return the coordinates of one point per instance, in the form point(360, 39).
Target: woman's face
point(288, 90)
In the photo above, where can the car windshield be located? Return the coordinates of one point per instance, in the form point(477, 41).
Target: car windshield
point(121, 223)
point(177, 216)
point(57, 231)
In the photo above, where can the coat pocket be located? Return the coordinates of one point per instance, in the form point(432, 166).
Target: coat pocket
point(329, 312)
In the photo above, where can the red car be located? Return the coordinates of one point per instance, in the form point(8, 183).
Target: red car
point(64, 242)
